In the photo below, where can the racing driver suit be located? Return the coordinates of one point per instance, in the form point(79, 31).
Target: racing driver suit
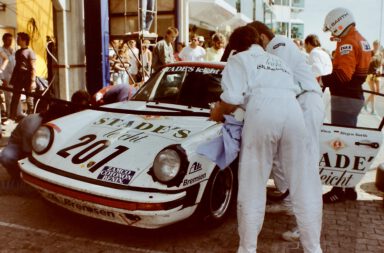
point(350, 68)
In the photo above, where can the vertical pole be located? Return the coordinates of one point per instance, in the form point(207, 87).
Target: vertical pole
point(289, 22)
point(381, 22)
point(96, 26)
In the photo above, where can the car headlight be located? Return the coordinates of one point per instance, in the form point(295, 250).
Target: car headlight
point(42, 139)
point(166, 165)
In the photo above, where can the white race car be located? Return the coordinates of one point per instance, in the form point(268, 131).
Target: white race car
point(135, 162)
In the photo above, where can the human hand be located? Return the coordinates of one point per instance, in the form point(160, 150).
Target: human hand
point(216, 112)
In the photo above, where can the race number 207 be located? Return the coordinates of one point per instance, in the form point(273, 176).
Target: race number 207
point(91, 148)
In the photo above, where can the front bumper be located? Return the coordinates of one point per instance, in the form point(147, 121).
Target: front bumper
point(127, 207)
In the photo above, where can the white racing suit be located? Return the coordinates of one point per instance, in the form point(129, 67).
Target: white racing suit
point(273, 127)
point(311, 103)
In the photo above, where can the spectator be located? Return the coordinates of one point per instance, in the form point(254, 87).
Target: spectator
point(7, 64)
point(121, 66)
point(375, 70)
point(163, 51)
point(319, 60)
point(146, 60)
point(201, 41)
point(20, 143)
point(193, 52)
point(23, 75)
point(215, 52)
point(133, 57)
point(179, 47)
point(350, 67)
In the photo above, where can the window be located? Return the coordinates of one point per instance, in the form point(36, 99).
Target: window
point(282, 2)
point(298, 3)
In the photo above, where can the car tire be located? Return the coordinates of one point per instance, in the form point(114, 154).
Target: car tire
point(218, 197)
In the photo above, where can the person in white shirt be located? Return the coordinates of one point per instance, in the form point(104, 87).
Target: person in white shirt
point(274, 127)
point(146, 60)
point(320, 61)
point(311, 102)
point(193, 52)
point(133, 56)
point(7, 64)
point(215, 52)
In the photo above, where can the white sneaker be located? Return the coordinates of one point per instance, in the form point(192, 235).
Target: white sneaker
point(291, 236)
point(281, 207)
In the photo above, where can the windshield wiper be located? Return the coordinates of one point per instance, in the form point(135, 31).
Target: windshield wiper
point(167, 108)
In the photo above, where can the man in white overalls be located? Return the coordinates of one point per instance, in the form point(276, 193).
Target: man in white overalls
point(274, 128)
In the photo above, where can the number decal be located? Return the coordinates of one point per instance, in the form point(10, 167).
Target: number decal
point(98, 146)
point(120, 150)
point(87, 139)
point(90, 151)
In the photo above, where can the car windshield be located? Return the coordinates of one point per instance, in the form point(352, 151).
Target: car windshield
point(183, 85)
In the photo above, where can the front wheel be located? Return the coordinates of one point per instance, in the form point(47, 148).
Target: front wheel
point(219, 193)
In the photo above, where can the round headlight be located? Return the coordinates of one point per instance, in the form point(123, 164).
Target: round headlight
point(42, 139)
point(166, 165)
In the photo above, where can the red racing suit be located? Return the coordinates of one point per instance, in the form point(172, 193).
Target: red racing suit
point(350, 66)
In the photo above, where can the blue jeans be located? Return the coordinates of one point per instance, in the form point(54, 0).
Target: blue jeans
point(9, 157)
point(345, 111)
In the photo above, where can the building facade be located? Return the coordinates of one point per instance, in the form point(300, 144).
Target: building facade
point(64, 22)
point(285, 19)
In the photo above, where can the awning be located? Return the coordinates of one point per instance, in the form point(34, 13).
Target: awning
point(238, 20)
point(212, 13)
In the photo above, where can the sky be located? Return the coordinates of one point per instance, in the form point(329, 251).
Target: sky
point(367, 14)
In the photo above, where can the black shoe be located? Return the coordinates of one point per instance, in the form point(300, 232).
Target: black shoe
point(336, 195)
point(350, 194)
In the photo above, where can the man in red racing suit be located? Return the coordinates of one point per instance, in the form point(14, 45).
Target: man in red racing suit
point(350, 68)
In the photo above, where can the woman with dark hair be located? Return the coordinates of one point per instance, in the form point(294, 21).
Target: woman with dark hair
point(263, 85)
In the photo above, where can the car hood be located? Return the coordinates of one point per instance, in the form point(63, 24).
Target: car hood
point(116, 147)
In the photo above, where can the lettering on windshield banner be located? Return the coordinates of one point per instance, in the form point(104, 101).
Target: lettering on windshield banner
point(344, 163)
point(116, 175)
point(145, 128)
point(204, 70)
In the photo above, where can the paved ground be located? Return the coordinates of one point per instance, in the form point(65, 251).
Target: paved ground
point(353, 226)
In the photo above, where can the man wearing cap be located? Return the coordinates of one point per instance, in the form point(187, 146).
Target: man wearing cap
point(193, 52)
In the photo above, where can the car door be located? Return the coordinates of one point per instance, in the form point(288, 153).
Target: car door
point(347, 152)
